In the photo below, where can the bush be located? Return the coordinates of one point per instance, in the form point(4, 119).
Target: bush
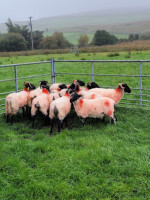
point(102, 37)
point(113, 54)
point(12, 42)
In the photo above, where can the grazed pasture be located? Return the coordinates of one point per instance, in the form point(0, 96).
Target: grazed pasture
point(98, 161)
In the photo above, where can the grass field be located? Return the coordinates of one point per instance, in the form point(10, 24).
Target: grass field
point(98, 161)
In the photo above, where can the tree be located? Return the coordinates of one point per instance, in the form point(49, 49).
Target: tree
point(56, 41)
point(83, 41)
point(102, 37)
point(25, 32)
point(12, 42)
point(37, 38)
point(133, 37)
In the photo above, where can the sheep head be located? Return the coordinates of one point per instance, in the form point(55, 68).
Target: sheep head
point(74, 97)
point(78, 82)
point(92, 84)
point(29, 86)
point(124, 87)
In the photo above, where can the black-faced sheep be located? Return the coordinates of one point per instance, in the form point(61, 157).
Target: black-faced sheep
point(15, 101)
point(59, 109)
point(115, 94)
point(94, 108)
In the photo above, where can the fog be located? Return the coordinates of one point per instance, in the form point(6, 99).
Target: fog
point(20, 10)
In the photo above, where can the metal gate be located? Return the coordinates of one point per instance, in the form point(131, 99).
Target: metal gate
point(142, 98)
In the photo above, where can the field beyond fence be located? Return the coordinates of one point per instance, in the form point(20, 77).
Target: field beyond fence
point(97, 161)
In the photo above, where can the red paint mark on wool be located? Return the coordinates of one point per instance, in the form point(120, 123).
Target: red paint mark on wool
point(117, 89)
point(81, 102)
point(109, 113)
point(66, 95)
point(58, 89)
point(25, 90)
point(107, 103)
point(93, 96)
point(86, 88)
point(79, 89)
point(44, 91)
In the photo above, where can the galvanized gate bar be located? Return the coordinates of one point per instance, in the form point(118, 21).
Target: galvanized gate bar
point(16, 81)
point(92, 70)
point(53, 76)
point(140, 84)
point(21, 64)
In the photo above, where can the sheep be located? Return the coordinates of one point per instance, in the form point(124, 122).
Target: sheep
point(59, 108)
point(94, 108)
point(35, 93)
point(40, 103)
point(115, 94)
point(15, 101)
point(57, 86)
point(76, 85)
point(86, 94)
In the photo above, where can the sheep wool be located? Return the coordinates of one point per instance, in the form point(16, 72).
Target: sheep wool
point(95, 108)
point(14, 101)
point(115, 94)
point(59, 108)
point(41, 103)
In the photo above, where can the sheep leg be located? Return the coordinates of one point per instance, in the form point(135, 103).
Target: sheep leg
point(23, 111)
point(113, 120)
point(59, 125)
point(103, 119)
point(83, 121)
point(27, 111)
point(33, 119)
point(7, 118)
point(62, 125)
point(66, 123)
point(52, 124)
point(11, 121)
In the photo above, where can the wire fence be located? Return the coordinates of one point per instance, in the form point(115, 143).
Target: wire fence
point(140, 96)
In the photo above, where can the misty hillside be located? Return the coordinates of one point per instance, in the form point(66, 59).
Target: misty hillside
point(122, 22)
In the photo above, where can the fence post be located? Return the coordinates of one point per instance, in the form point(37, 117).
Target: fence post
point(16, 81)
point(140, 84)
point(52, 71)
point(92, 70)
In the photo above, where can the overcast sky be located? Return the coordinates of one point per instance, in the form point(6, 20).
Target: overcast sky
point(20, 10)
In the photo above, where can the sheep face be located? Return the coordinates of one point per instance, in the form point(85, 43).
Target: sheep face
point(43, 83)
point(125, 87)
point(92, 84)
point(78, 82)
point(74, 97)
point(62, 86)
point(46, 87)
point(29, 86)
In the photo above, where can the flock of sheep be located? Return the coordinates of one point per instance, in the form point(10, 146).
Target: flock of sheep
point(55, 101)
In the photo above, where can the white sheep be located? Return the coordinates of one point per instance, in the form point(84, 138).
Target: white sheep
point(95, 108)
point(36, 92)
point(59, 109)
point(41, 103)
point(115, 94)
point(15, 101)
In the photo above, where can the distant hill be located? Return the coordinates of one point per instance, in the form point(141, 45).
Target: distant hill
point(122, 22)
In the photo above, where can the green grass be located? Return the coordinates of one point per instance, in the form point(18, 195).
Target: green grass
point(98, 161)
